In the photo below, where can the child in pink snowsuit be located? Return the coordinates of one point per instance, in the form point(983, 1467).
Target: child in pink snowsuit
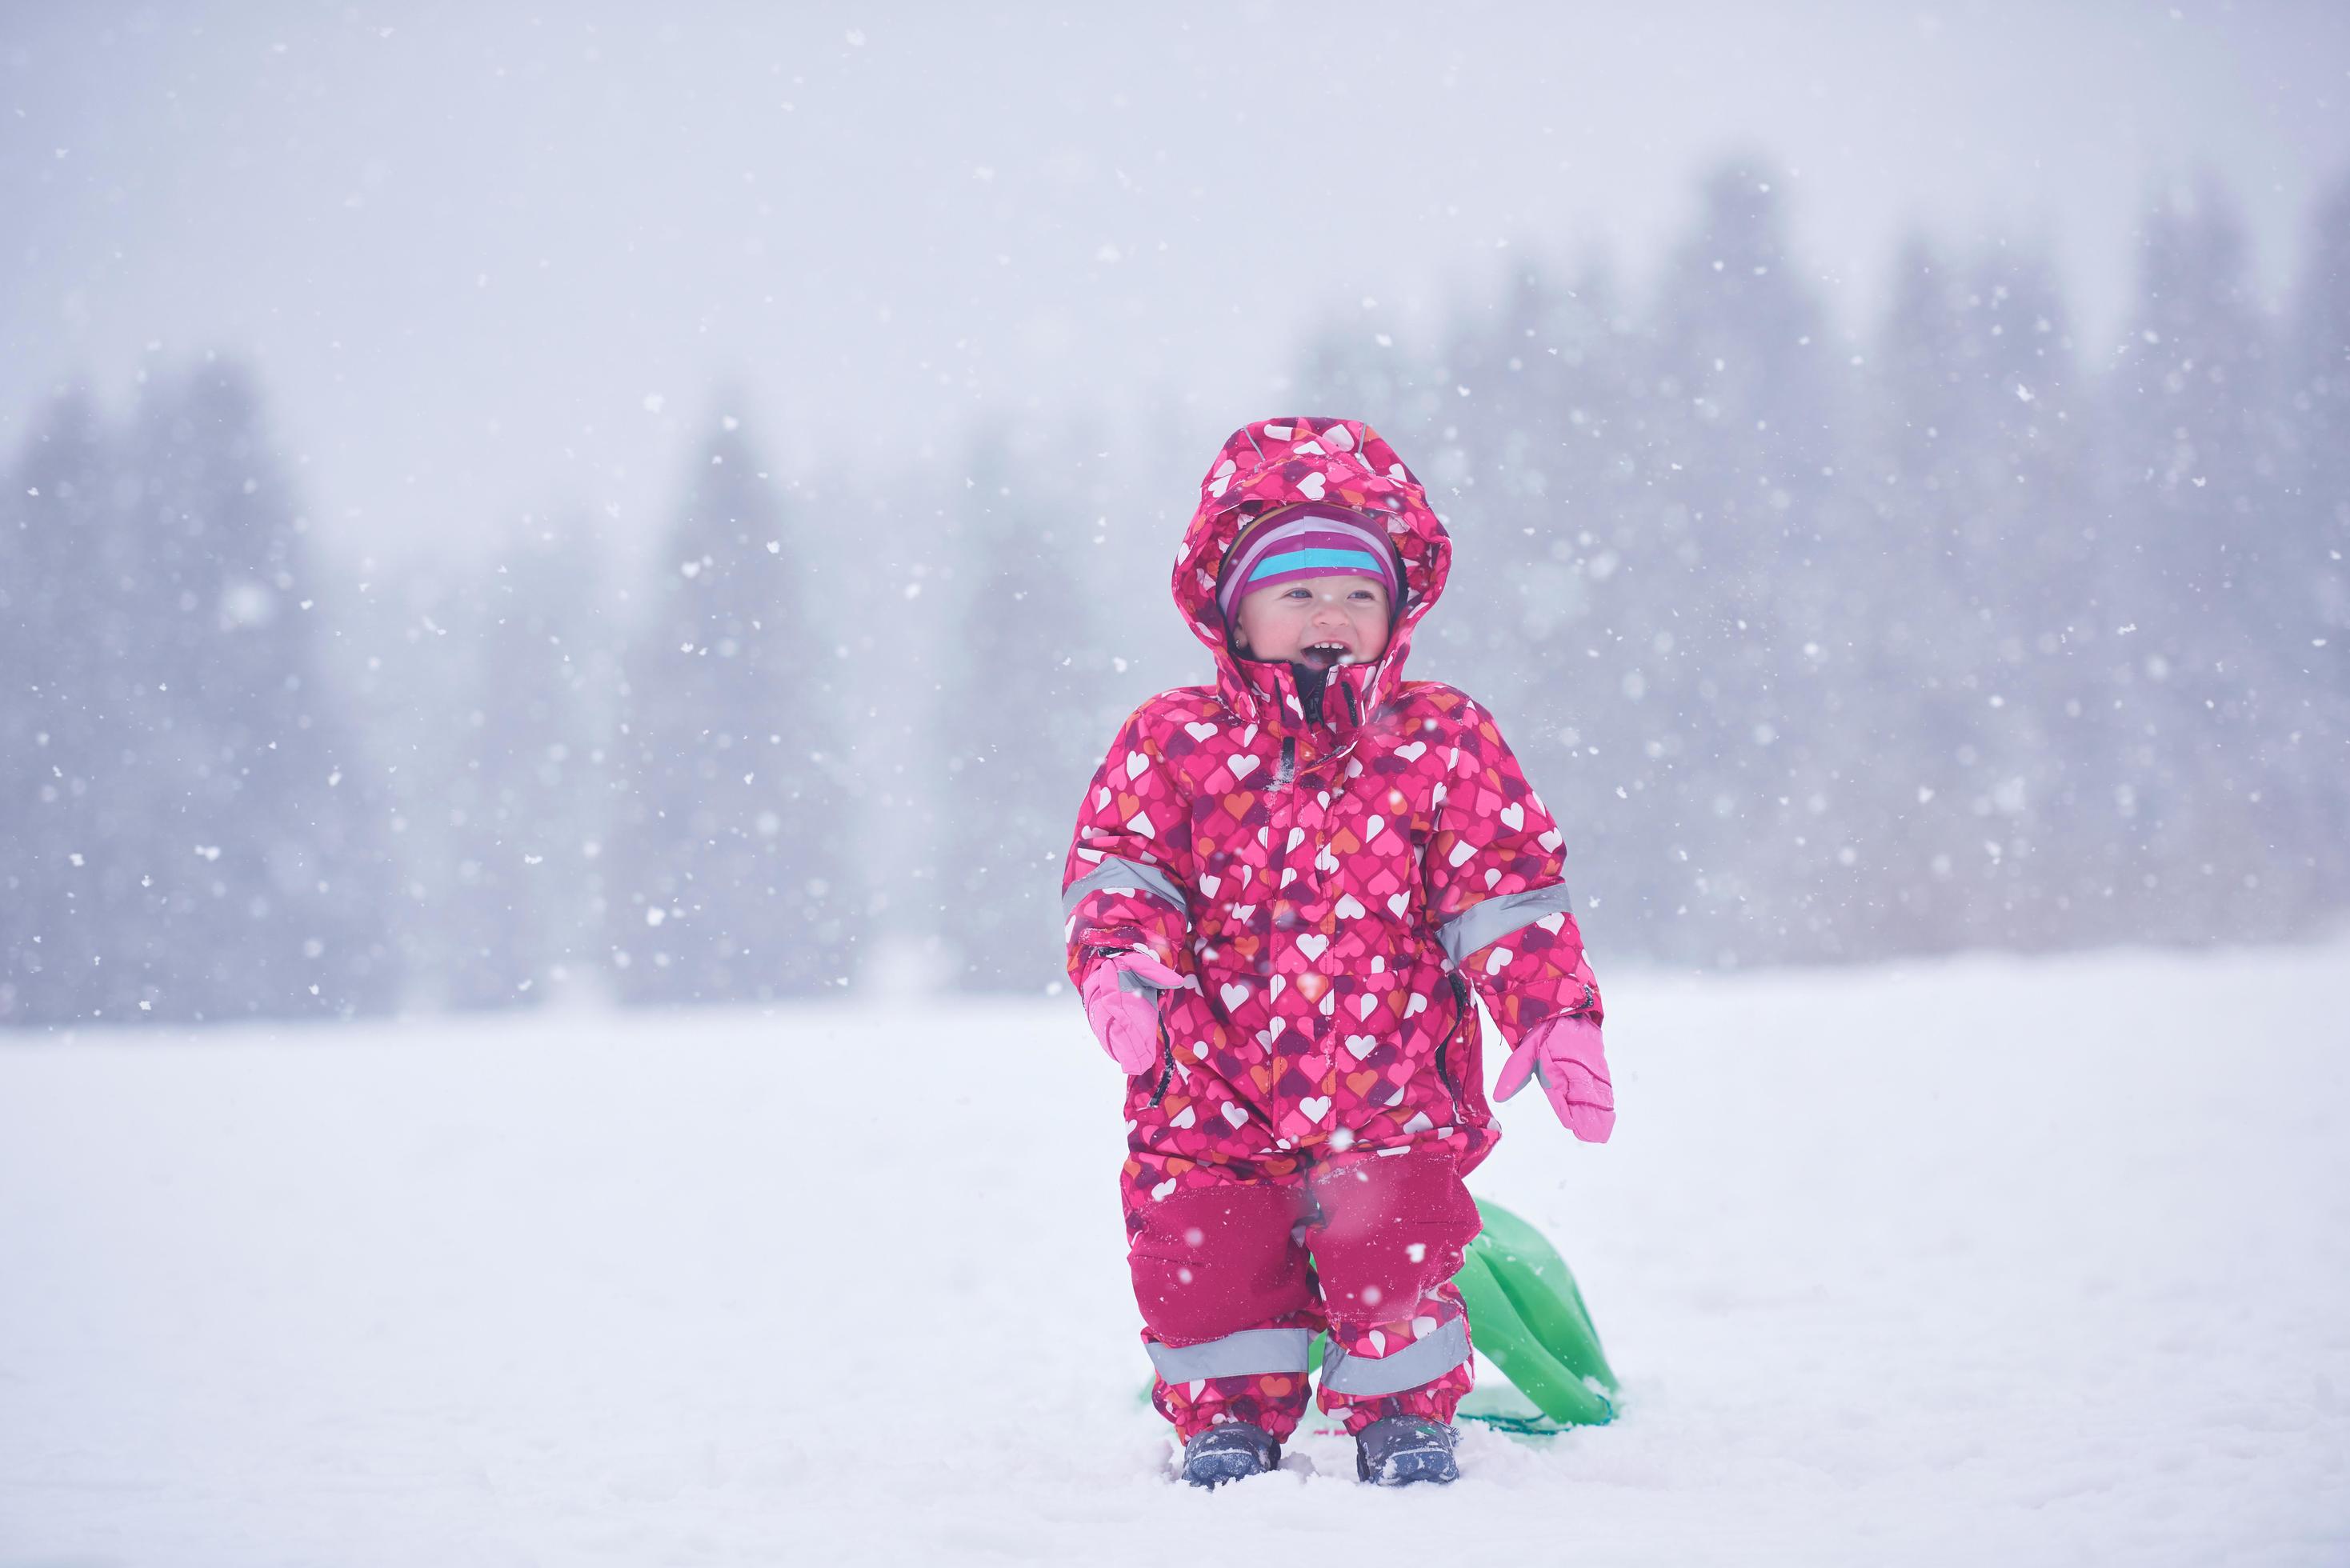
point(1282, 889)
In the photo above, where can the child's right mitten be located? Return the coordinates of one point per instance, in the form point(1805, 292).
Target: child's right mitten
point(1566, 1055)
point(1121, 996)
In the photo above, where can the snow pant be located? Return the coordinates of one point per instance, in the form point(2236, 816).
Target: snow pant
point(1235, 1277)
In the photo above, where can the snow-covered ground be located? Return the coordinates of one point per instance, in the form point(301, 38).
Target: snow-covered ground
point(1986, 1261)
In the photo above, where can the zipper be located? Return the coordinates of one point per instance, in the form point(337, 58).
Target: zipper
point(1288, 769)
point(1166, 1058)
point(1463, 1007)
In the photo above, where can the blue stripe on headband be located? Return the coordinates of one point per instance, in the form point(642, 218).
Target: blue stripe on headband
point(1358, 562)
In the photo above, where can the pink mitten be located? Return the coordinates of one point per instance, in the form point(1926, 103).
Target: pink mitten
point(1566, 1055)
point(1121, 996)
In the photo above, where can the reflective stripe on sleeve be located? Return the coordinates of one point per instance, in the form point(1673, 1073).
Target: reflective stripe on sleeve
point(1423, 1361)
point(1494, 919)
point(1114, 872)
point(1251, 1351)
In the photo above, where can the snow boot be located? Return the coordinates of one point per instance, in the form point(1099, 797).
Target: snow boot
point(1396, 1450)
point(1228, 1451)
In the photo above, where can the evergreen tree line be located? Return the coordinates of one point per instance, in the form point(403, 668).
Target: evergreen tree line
point(1969, 633)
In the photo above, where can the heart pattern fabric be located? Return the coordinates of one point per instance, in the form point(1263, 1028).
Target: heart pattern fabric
point(1319, 864)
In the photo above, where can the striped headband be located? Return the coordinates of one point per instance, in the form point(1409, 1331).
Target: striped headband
point(1301, 541)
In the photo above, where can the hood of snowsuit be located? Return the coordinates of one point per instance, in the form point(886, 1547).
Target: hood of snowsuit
point(1279, 462)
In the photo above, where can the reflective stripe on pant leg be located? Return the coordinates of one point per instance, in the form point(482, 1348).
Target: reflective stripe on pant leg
point(1252, 1350)
point(1421, 1361)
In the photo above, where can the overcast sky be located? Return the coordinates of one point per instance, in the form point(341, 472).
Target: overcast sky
point(492, 257)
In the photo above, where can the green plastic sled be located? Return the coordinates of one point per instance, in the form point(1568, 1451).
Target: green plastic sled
point(1527, 1318)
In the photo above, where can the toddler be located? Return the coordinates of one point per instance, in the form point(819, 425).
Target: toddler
point(1282, 889)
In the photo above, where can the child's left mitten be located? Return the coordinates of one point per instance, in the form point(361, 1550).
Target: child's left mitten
point(1121, 997)
point(1566, 1055)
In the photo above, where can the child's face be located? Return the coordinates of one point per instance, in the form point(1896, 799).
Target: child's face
point(1320, 622)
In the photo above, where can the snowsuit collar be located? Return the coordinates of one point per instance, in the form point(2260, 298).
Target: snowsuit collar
point(1280, 463)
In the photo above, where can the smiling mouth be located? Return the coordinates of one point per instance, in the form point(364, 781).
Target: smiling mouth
point(1324, 655)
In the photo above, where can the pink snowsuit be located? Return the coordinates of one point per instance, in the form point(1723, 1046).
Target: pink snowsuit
point(1329, 884)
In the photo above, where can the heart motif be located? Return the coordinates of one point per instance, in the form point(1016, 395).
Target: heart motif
point(1552, 839)
point(1313, 946)
point(1513, 816)
point(1296, 837)
point(1273, 990)
point(1347, 909)
point(1399, 903)
point(1362, 1045)
point(1329, 1003)
point(1311, 485)
point(1183, 1119)
point(1101, 798)
point(1209, 884)
point(1244, 766)
point(1315, 1108)
point(1493, 876)
point(1365, 1005)
point(1461, 850)
point(1412, 753)
point(1137, 764)
point(1199, 1050)
point(1234, 994)
point(1554, 923)
point(1360, 1083)
point(1415, 1006)
point(1233, 1114)
point(1497, 960)
point(1200, 731)
point(1140, 823)
point(1164, 1191)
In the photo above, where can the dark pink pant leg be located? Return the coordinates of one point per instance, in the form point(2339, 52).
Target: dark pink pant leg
point(1388, 1236)
point(1227, 1301)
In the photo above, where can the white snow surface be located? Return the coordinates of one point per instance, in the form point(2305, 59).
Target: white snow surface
point(1978, 1261)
